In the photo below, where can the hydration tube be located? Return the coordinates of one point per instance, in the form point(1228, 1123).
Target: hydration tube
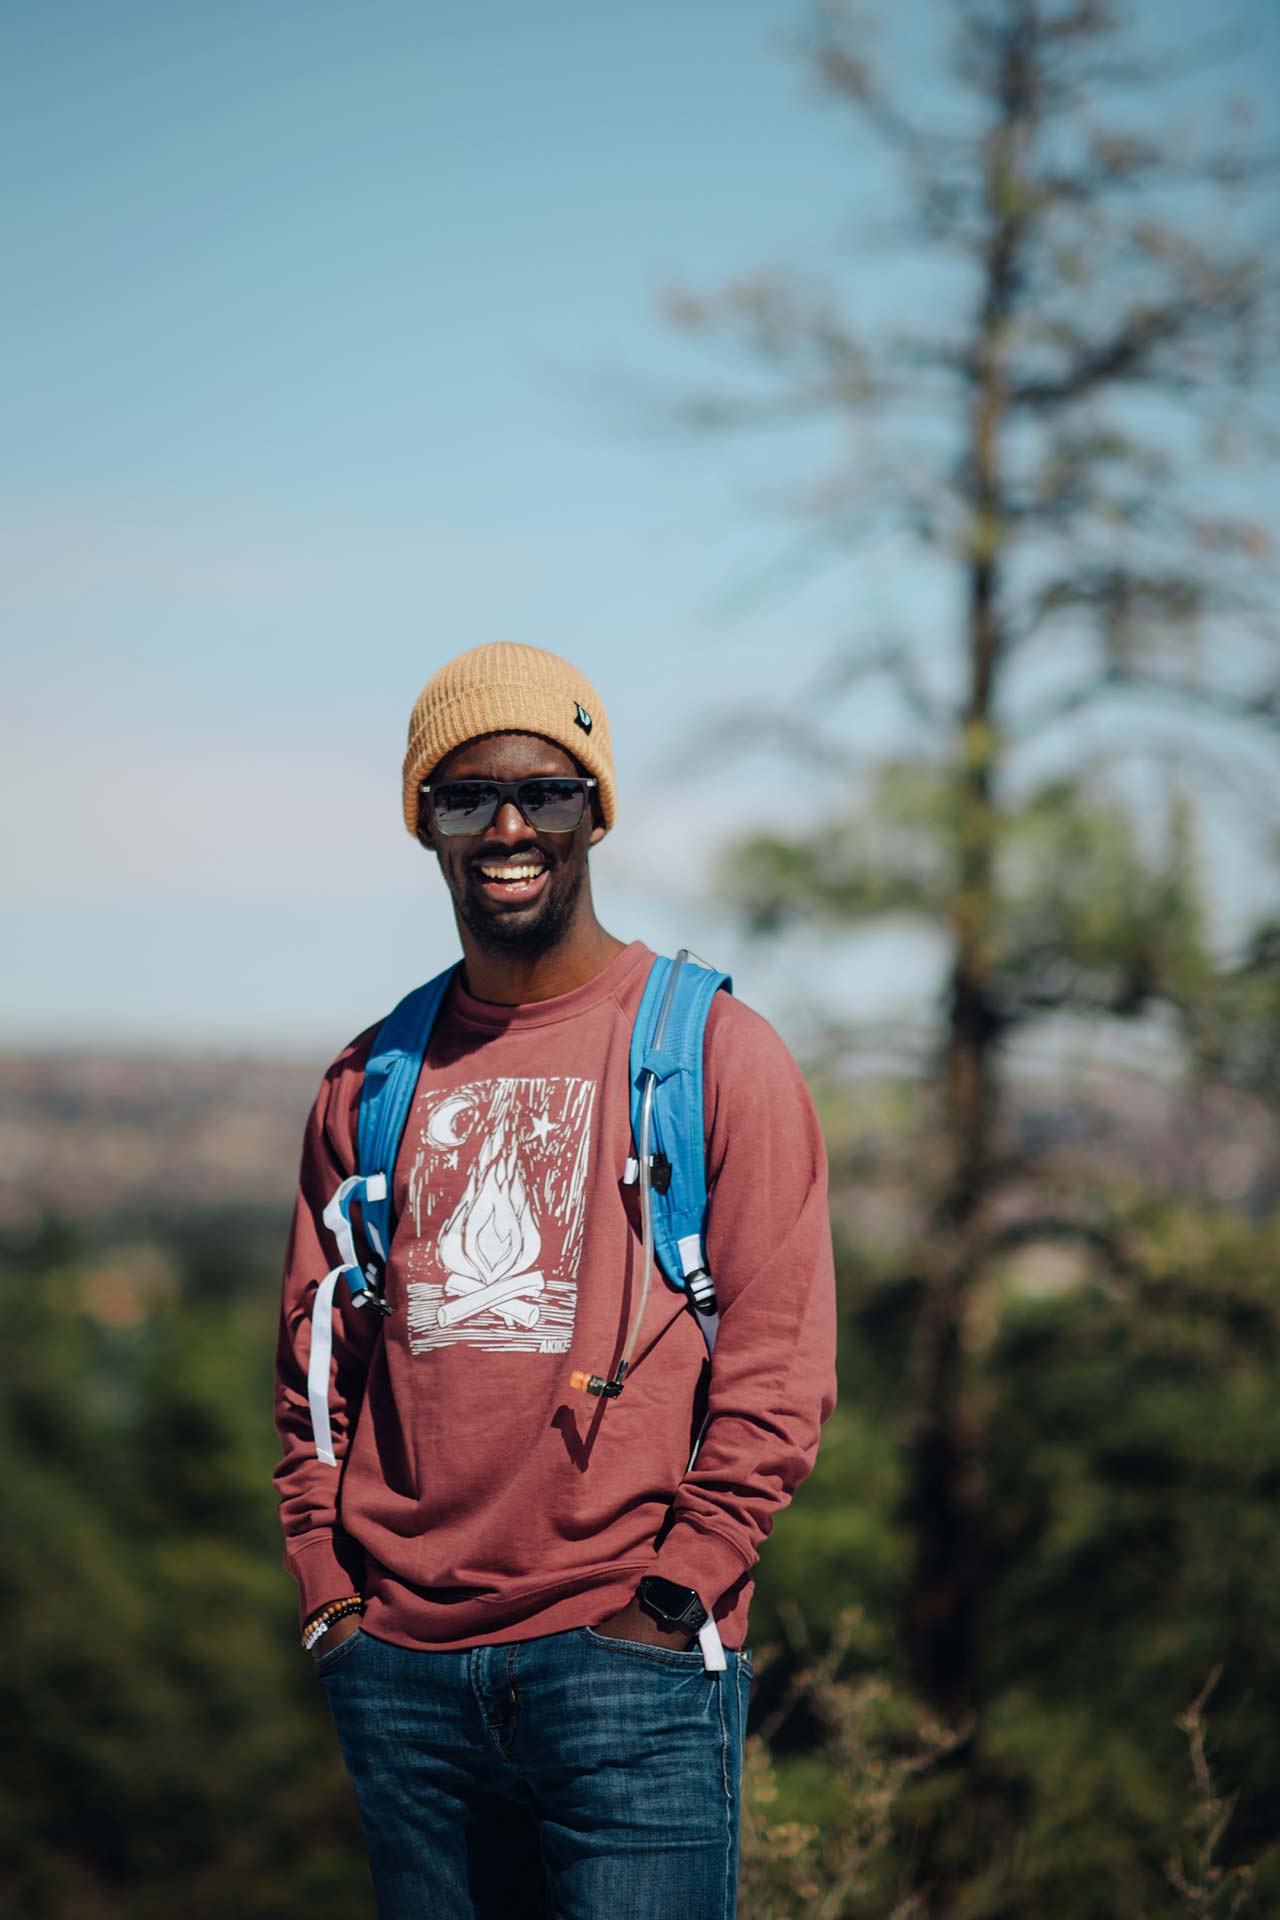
point(592, 1382)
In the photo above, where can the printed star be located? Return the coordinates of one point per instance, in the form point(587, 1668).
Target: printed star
point(542, 1126)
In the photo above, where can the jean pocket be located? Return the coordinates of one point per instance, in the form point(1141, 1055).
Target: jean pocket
point(643, 1649)
point(325, 1662)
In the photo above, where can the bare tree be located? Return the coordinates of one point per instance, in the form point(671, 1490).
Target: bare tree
point(1068, 436)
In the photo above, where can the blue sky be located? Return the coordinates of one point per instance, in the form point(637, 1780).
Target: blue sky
point(314, 324)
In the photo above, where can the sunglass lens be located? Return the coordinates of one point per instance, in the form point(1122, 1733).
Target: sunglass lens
point(555, 806)
point(464, 806)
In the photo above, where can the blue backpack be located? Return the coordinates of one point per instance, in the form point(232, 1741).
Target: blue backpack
point(665, 1069)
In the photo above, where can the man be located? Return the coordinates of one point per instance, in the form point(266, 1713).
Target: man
point(504, 1580)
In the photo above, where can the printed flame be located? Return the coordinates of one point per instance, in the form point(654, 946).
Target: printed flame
point(492, 1231)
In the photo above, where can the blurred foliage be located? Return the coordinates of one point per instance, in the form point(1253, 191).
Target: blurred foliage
point(175, 1754)
point(173, 1750)
point(1131, 1464)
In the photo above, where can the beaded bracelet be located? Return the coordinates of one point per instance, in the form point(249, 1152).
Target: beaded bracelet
point(320, 1623)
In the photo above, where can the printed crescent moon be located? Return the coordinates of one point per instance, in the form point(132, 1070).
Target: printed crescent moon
point(442, 1126)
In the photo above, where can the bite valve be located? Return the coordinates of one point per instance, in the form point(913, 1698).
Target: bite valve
point(592, 1383)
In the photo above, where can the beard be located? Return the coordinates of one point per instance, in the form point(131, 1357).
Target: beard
point(537, 932)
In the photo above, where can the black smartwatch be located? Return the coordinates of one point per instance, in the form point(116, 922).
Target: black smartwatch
point(677, 1609)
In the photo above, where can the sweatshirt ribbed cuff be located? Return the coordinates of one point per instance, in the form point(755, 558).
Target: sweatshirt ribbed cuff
point(707, 1562)
point(316, 1564)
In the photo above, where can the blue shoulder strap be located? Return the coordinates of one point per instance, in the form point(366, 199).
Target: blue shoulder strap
point(395, 1063)
point(389, 1081)
point(679, 1214)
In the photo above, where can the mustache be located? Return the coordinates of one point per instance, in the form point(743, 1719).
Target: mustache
point(522, 857)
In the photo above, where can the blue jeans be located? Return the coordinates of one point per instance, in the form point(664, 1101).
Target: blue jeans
point(573, 1775)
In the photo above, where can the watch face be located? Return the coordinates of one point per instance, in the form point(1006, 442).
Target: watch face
point(667, 1595)
point(672, 1605)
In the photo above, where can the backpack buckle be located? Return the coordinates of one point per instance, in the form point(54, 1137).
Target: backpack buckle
point(659, 1172)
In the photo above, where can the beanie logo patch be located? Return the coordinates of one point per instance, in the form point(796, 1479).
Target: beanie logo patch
point(582, 718)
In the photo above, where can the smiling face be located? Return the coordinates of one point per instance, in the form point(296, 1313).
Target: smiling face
point(514, 889)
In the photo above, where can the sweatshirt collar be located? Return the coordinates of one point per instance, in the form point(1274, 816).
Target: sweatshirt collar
point(495, 1018)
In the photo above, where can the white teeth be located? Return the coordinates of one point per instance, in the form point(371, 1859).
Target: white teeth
point(512, 873)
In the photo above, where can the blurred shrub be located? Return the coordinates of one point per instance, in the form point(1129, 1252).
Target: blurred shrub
point(173, 1752)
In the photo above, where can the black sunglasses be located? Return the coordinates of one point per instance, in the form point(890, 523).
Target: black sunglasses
point(469, 806)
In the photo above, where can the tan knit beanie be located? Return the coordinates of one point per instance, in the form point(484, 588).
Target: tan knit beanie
point(508, 688)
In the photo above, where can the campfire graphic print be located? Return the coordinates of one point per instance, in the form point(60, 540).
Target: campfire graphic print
point(497, 1196)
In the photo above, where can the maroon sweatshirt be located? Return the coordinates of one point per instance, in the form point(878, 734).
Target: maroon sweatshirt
point(478, 1496)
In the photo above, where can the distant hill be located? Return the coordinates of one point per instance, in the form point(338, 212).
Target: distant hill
point(108, 1134)
point(103, 1135)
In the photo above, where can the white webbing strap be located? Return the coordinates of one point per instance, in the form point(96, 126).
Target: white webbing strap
point(702, 1430)
point(337, 1215)
point(692, 1259)
point(318, 1365)
point(337, 1218)
point(709, 1640)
